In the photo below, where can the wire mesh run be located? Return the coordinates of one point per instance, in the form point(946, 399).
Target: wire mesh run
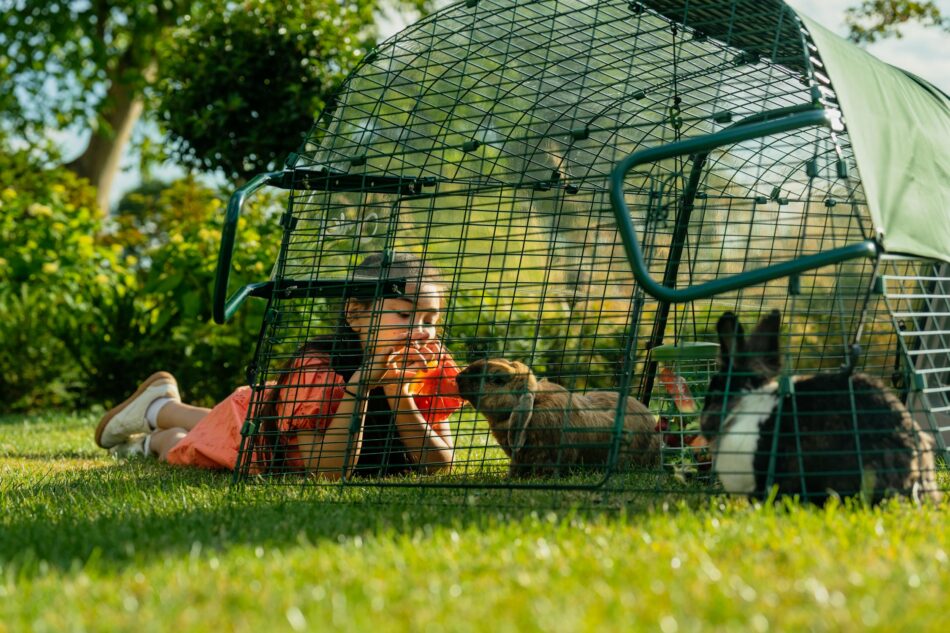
point(481, 141)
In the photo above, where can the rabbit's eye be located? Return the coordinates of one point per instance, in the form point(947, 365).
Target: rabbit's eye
point(498, 379)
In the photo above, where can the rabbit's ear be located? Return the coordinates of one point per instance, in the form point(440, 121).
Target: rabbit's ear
point(519, 420)
point(731, 339)
point(522, 370)
point(522, 378)
point(764, 343)
point(519, 367)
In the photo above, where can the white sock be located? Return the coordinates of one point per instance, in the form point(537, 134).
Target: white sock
point(151, 414)
point(147, 445)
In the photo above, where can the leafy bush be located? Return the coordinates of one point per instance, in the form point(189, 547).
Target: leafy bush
point(170, 240)
point(35, 367)
point(92, 305)
point(53, 259)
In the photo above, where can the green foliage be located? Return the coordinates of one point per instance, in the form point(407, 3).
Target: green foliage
point(171, 240)
point(60, 54)
point(48, 225)
point(240, 88)
point(53, 259)
point(35, 367)
point(90, 308)
point(874, 20)
point(248, 73)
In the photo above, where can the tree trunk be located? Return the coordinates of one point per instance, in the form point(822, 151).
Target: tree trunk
point(120, 109)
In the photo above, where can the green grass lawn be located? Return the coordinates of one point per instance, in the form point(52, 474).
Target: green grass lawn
point(87, 543)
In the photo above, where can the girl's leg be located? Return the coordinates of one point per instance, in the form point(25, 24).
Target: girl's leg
point(165, 440)
point(179, 416)
point(130, 418)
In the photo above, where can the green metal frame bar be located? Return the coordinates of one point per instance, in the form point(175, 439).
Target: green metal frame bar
point(678, 242)
point(223, 310)
point(705, 144)
point(302, 179)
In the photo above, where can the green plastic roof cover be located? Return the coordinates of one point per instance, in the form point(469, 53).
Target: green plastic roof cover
point(900, 131)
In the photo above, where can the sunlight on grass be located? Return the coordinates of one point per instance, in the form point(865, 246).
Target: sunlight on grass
point(90, 543)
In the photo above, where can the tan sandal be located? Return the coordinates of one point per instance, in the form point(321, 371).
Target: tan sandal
point(128, 418)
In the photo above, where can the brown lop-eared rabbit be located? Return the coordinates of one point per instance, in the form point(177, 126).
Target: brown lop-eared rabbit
point(547, 430)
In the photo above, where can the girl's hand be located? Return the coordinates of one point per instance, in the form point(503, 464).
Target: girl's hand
point(395, 365)
point(431, 351)
point(402, 365)
point(376, 366)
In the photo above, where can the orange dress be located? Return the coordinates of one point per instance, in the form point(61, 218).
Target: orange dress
point(308, 402)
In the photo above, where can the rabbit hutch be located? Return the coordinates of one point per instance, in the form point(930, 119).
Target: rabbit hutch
point(596, 184)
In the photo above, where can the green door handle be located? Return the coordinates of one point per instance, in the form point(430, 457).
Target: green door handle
point(223, 310)
point(705, 144)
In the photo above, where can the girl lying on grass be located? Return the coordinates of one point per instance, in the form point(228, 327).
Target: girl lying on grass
point(384, 365)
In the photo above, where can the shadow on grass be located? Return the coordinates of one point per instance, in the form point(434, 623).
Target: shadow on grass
point(58, 418)
point(49, 457)
point(136, 512)
point(57, 514)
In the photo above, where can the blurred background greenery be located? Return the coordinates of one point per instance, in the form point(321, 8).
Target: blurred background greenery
point(94, 298)
point(90, 304)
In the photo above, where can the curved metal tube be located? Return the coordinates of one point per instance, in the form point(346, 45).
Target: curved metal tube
point(705, 144)
point(220, 310)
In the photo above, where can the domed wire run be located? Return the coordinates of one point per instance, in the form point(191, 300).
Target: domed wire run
point(594, 181)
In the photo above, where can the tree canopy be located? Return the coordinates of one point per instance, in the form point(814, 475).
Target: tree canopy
point(85, 65)
point(873, 20)
point(239, 91)
point(233, 83)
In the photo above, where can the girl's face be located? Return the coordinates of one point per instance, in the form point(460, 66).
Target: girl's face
point(397, 323)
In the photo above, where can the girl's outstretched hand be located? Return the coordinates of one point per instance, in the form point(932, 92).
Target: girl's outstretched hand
point(395, 368)
point(431, 351)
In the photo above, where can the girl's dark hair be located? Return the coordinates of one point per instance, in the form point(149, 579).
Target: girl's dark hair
point(380, 454)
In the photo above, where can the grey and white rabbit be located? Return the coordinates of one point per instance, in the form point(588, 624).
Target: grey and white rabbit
point(837, 433)
point(545, 429)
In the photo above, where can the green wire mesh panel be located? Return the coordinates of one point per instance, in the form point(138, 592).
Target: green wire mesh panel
point(916, 304)
point(483, 138)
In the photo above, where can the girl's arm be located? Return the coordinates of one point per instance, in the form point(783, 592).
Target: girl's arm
point(428, 445)
point(334, 451)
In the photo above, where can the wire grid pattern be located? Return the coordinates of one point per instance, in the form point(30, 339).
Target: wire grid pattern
point(482, 139)
point(917, 298)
